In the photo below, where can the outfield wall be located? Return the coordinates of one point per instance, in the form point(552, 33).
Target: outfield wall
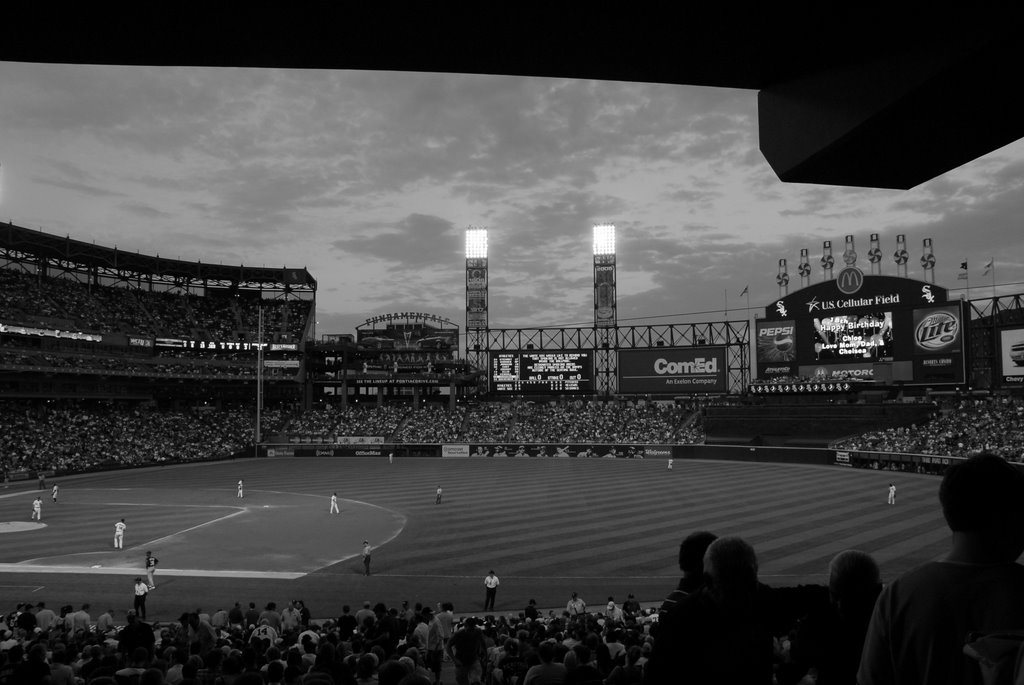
point(789, 455)
point(770, 455)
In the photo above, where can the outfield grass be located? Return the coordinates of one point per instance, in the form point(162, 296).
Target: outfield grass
point(547, 527)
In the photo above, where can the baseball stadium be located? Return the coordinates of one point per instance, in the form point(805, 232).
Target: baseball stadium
point(199, 485)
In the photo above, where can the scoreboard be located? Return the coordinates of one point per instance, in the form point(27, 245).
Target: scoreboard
point(868, 327)
point(542, 373)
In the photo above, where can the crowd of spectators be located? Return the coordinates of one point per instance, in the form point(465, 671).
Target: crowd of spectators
point(957, 429)
point(497, 422)
point(68, 435)
point(598, 422)
point(489, 422)
point(431, 424)
point(397, 645)
point(77, 305)
point(63, 362)
point(77, 435)
point(355, 420)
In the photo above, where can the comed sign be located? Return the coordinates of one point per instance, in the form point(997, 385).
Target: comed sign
point(673, 370)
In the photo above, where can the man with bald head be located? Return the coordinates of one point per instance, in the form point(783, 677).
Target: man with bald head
point(714, 633)
point(831, 640)
point(724, 631)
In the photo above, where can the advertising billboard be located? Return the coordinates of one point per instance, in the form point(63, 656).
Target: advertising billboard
point(542, 373)
point(1011, 355)
point(939, 344)
point(868, 328)
point(776, 347)
point(673, 370)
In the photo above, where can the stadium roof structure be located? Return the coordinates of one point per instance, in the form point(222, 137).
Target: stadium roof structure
point(859, 96)
point(27, 245)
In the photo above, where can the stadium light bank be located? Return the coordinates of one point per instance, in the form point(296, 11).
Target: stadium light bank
point(476, 243)
point(604, 239)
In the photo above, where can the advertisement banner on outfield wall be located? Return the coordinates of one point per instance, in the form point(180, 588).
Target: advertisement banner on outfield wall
point(455, 451)
point(672, 370)
point(569, 451)
point(340, 451)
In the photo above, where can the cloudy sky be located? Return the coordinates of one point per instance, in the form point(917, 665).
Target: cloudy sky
point(369, 180)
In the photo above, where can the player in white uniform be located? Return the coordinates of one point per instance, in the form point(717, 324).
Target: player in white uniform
point(892, 493)
point(37, 509)
point(240, 489)
point(670, 463)
point(119, 534)
point(334, 504)
point(438, 499)
point(56, 489)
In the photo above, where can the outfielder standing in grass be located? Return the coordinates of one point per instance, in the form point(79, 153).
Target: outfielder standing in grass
point(119, 534)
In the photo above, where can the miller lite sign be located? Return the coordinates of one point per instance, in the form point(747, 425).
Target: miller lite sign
point(937, 330)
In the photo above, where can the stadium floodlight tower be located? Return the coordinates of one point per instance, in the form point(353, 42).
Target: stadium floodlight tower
point(476, 297)
point(605, 309)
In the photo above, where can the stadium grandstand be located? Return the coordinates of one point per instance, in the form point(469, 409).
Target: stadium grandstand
point(112, 361)
point(121, 372)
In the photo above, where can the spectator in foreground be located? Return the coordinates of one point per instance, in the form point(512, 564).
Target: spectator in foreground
point(919, 624)
point(724, 631)
point(547, 672)
point(715, 635)
point(831, 640)
point(691, 563)
point(468, 652)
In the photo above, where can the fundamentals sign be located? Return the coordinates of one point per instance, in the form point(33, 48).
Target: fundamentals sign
point(677, 371)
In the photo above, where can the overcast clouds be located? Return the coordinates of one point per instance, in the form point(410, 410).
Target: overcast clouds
point(370, 179)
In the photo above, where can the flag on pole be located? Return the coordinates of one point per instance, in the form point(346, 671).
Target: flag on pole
point(963, 265)
point(745, 289)
point(988, 267)
point(962, 277)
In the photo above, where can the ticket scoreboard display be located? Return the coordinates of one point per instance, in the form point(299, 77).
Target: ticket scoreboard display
point(542, 373)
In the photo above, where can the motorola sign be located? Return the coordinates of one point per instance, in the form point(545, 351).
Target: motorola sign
point(677, 371)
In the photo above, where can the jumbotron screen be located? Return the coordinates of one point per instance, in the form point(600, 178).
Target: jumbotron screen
point(542, 373)
point(853, 337)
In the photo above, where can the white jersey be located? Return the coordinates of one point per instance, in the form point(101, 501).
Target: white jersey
point(119, 528)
